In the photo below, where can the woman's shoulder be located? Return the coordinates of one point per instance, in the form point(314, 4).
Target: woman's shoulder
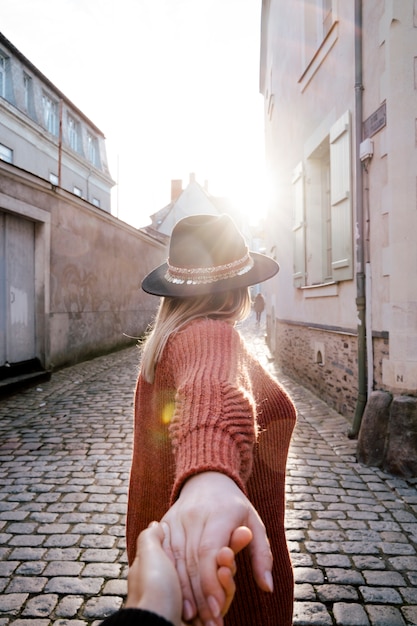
point(208, 326)
point(205, 334)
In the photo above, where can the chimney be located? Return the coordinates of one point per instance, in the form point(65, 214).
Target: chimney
point(176, 189)
point(192, 177)
point(206, 185)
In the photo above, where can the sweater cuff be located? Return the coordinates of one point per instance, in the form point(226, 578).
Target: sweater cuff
point(181, 480)
point(134, 617)
point(215, 453)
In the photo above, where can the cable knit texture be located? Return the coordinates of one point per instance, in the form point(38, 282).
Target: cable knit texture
point(213, 407)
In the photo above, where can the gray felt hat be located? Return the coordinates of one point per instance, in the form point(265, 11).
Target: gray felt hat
point(208, 254)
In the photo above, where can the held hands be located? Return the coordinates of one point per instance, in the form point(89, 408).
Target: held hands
point(153, 583)
point(210, 507)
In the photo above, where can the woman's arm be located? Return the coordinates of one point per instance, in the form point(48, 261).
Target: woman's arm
point(201, 521)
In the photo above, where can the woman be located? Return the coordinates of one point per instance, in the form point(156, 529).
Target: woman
point(212, 429)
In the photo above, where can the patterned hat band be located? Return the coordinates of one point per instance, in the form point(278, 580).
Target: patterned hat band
point(204, 275)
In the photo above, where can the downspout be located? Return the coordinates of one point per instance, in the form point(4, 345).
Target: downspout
point(60, 144)
point(360, 244)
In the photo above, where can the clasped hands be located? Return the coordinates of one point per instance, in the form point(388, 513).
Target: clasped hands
point(202, 532)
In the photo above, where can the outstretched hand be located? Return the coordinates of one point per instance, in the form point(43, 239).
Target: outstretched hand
point(153, 583)
point(210, 507)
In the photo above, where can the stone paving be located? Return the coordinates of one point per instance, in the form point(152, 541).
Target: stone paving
point(65, 456)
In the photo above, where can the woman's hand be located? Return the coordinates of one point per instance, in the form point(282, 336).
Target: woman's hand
point(210, 507)
point(153, 583)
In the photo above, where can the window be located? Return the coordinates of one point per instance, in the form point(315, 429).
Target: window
point(322, 225)
point(3, 62)
point(326, 16)
point(50, 114)
point(78, 192)
point(5, 78)
point(74, 134)
point(319, 17)
point(53, 178)
point(28, 94)
point(96, 202)
point(93, 150)
point(6, 154)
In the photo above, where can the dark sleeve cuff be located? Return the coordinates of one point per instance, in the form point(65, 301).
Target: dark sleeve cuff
point(135, 617)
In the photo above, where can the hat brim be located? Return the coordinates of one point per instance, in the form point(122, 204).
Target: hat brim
point(156, 284)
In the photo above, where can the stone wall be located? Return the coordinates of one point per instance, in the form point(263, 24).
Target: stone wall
point(380, 352)
point(324, 361)
point(388, 434)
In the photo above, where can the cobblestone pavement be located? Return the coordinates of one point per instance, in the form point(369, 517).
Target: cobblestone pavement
point(65, 457)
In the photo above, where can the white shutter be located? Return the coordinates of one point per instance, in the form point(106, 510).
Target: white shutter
point(341, 198)
point(299, 228)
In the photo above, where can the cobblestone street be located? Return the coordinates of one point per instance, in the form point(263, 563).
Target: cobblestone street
point(65, 457)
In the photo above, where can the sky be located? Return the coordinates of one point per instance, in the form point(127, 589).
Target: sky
point(172, 84)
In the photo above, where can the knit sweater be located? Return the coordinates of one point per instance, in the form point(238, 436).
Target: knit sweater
point(213, 407)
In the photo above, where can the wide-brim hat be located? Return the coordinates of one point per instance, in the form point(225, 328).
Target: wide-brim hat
point(208, 254)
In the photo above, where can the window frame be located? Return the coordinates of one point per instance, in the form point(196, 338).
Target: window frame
point(28, 92)
point(50, 114)
point(92, 149)
point(6, 153)
point(73, 130)
point(320, 19)
point(3, 74)
point(323, 219)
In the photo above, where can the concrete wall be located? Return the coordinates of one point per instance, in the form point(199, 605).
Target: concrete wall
point(88, 270)
point(96, 268)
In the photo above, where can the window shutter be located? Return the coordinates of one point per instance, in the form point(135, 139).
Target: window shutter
point(299, 228)
point(341, 199)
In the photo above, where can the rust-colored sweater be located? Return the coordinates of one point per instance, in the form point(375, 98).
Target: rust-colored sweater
point(213, 407)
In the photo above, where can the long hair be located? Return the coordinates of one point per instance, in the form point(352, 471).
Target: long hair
point(173, 313)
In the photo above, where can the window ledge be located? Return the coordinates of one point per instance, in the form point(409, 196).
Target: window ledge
point(325, 290)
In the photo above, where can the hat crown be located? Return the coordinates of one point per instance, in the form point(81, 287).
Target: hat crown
point(205, 241)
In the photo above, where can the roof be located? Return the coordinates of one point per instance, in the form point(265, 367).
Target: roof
point(13, 50)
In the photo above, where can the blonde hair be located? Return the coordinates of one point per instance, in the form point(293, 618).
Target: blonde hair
point(173, 313)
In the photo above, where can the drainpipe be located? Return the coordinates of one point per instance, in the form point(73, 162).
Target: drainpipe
point(60, 144)
point(360, 244)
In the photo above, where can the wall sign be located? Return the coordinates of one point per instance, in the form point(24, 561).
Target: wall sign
point(375, 122)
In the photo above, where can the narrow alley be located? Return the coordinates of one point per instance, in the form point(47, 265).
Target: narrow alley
point(65, 457)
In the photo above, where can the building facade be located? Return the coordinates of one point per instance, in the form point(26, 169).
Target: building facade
point(70, 272)
point(339, 81)
point(43, 132)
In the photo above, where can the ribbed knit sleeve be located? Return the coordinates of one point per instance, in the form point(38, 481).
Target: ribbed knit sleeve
point(214, 423)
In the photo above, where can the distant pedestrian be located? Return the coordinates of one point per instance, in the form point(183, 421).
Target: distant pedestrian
point(212, 429)
point(259, 306)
